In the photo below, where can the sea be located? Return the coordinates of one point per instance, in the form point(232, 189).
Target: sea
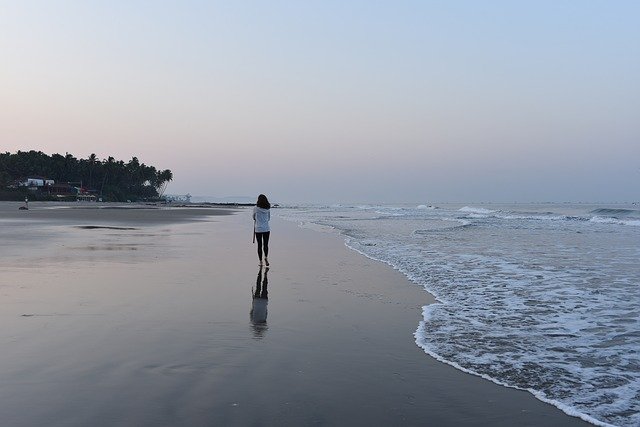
point(538, 297)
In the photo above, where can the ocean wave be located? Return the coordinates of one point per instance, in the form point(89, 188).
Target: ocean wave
point(616, 213)
point(545, 217)
point(390, 213)
point(422, 341)
point(461, 224)
point(462, 221)
point(470, 209)
point(628, 219)
point(615, 221)
point(478, 216)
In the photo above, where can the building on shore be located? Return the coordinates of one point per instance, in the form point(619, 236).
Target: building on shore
point(57, 190)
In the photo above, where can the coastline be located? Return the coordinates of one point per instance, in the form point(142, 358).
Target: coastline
point(421, 342)
point(149, 324)
point(485, 401)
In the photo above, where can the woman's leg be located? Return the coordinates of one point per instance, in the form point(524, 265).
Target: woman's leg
point(266, 246)
point(259, 240)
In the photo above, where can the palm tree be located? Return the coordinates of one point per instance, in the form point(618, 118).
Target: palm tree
point(163, 180)
point(92, 160)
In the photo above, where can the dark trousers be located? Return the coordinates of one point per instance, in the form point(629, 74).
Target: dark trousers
point(263, 239)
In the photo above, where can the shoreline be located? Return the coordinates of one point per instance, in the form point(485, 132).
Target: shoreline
point(420, 342)
point(152, 326)
point(110, 212)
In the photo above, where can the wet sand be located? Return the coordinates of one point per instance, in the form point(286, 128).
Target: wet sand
point(132, 320)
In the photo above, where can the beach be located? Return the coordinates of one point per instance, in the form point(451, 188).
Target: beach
point(136, 316)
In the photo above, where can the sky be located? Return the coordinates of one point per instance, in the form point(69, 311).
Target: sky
point(335, 101)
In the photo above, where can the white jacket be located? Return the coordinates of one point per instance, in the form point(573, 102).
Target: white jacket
point(261, 216)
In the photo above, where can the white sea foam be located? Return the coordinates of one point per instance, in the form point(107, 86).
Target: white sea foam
point(473, 210)
point(422, 341)
point(535, 217)
point(461, 221)
point(477, 216)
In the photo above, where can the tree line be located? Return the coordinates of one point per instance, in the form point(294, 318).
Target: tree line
point(111, 179)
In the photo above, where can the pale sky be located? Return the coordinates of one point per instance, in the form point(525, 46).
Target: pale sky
point(335, 101)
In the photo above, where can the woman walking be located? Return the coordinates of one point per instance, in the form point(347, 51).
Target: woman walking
point(261, 217)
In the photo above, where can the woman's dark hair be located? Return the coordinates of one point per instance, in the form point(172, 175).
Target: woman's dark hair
point(263, 202)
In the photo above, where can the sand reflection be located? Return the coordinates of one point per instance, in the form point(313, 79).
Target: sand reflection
point(259, 301)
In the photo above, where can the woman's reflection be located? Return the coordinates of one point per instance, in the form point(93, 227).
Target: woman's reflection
point(260, 299)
